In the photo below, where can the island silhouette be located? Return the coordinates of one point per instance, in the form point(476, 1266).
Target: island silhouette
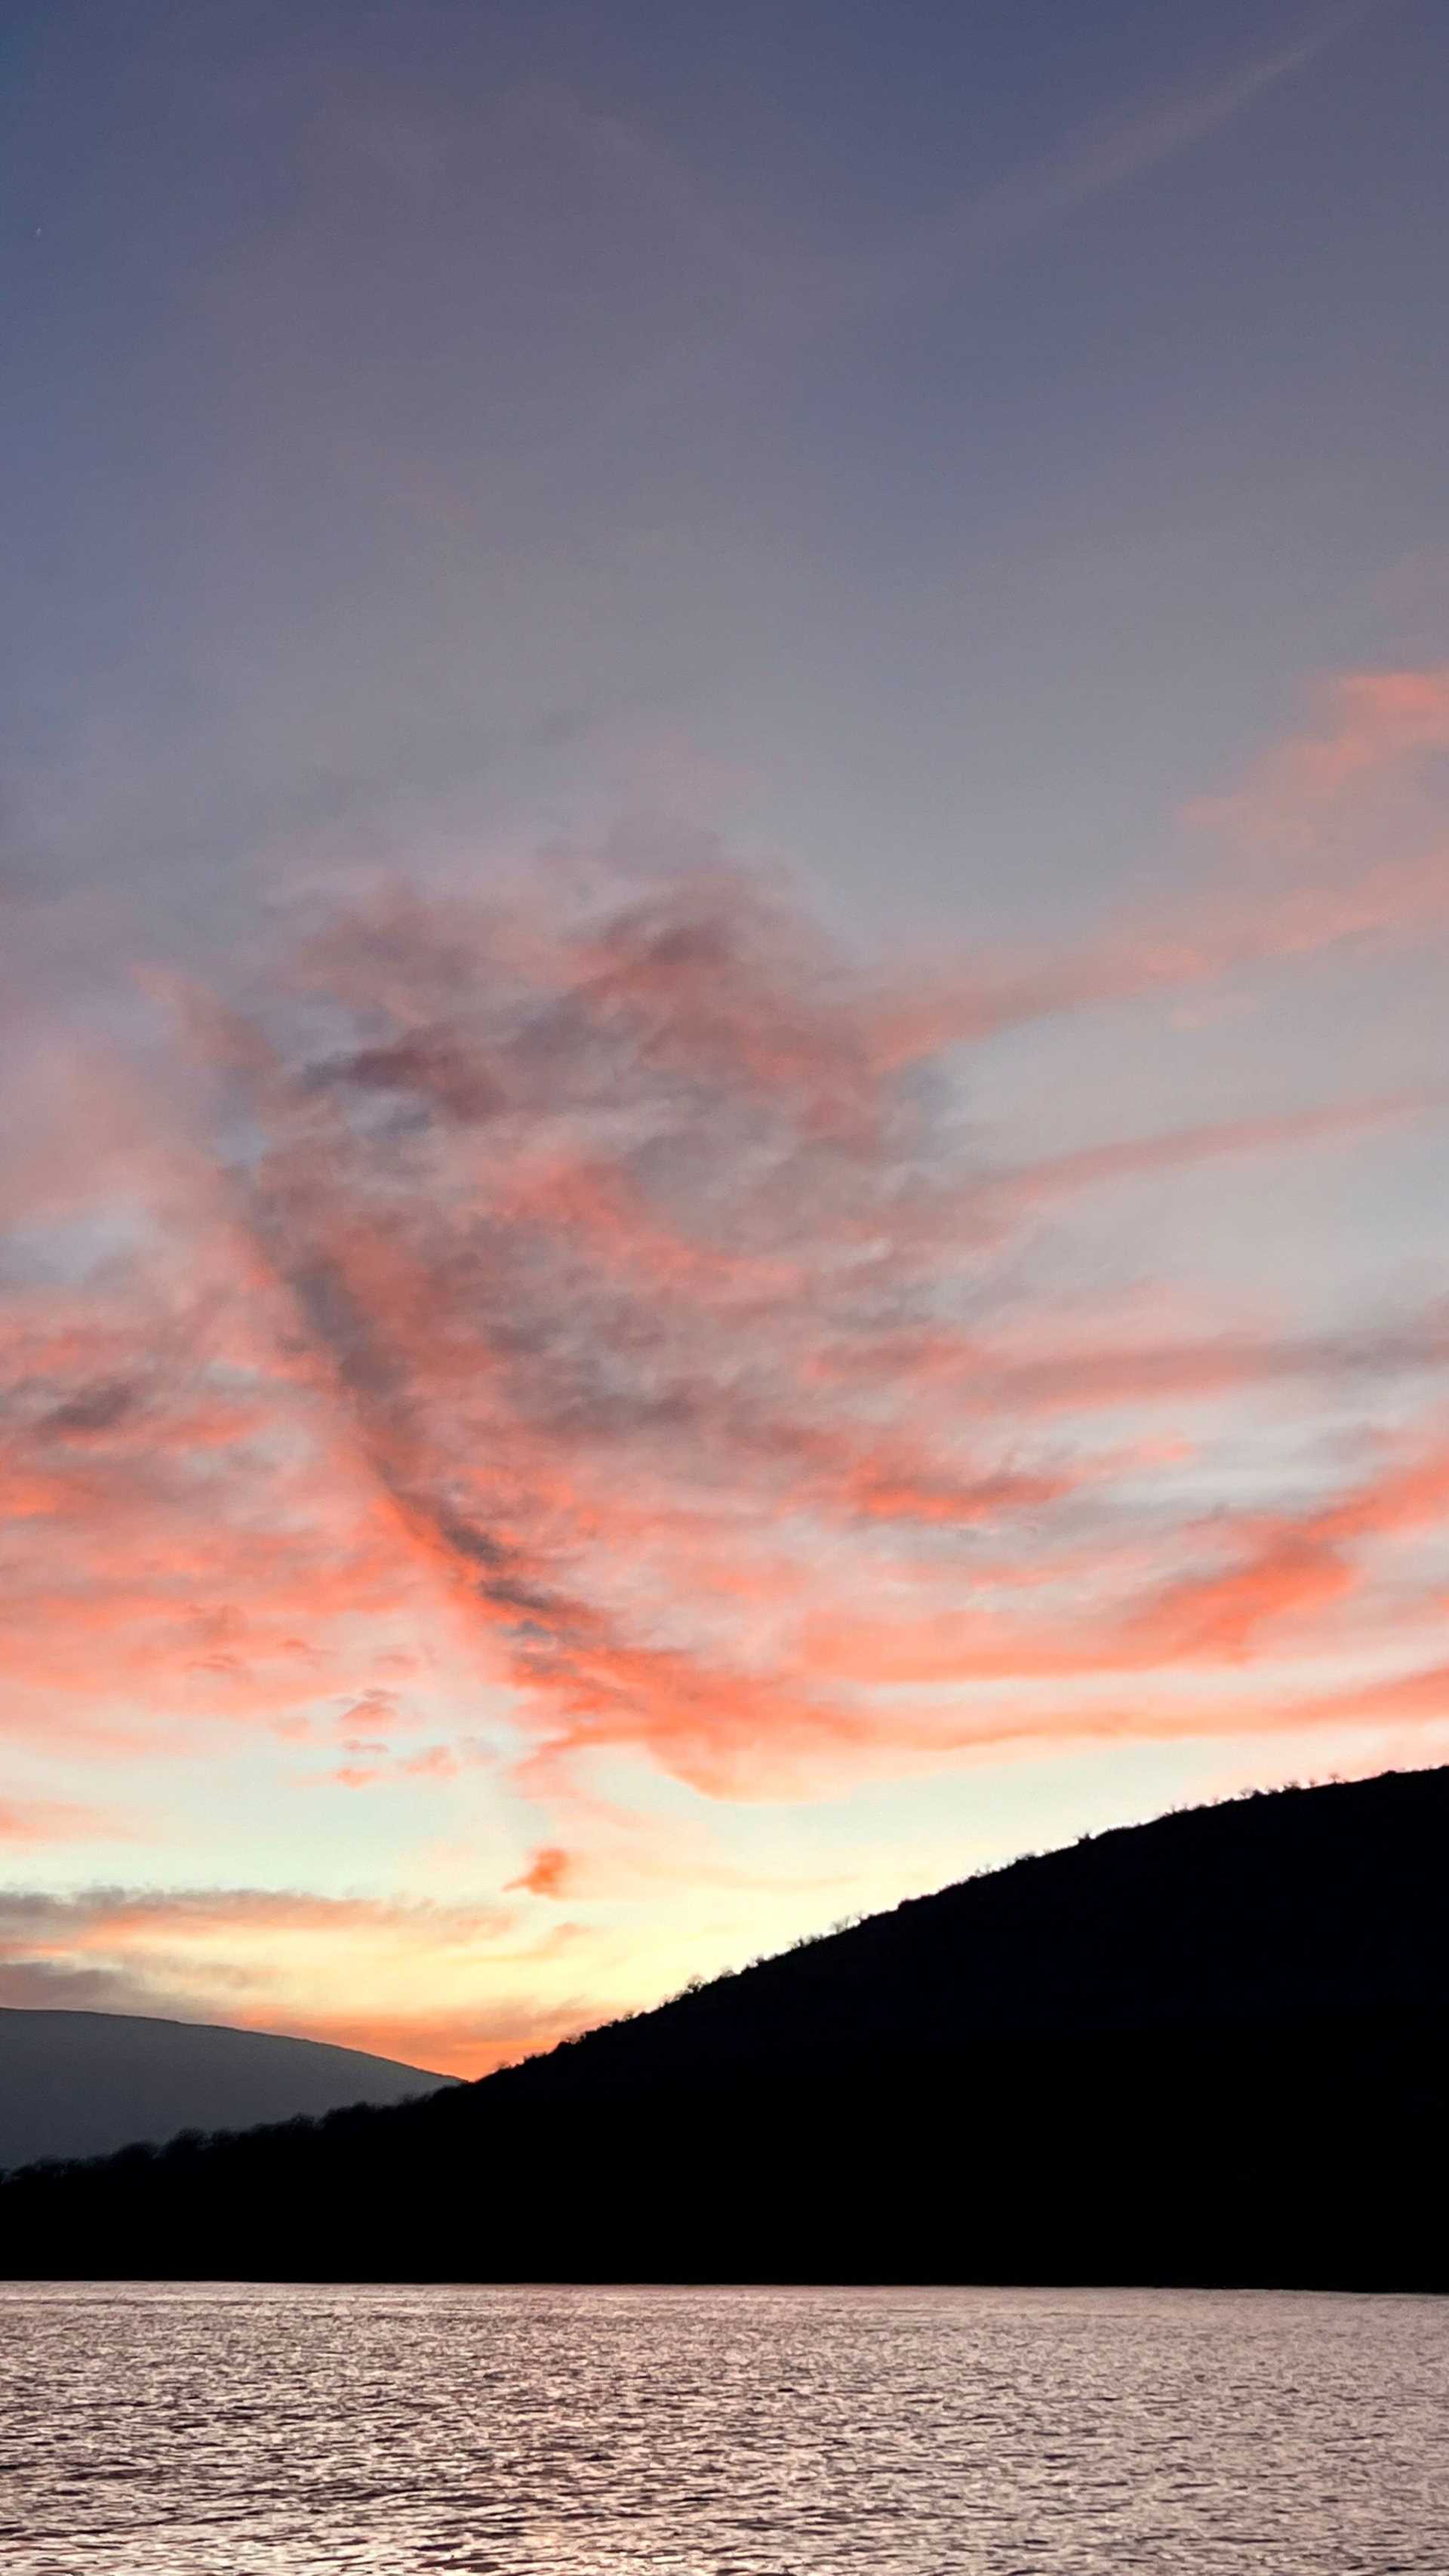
point(1209, 2049)
point(78, 2084)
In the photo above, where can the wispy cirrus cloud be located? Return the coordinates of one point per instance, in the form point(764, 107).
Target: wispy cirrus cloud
point(1336, 844)
point(1135, 1157)
point(1262, 1567)
point(571, 1317)
point(1107, 155)
point(765, 289)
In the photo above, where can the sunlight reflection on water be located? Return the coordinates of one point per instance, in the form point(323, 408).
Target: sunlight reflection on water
point(231, 2430)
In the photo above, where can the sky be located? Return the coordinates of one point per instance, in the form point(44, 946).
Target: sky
point(724, 907)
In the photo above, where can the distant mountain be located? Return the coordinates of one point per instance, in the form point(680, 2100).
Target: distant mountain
point(1210, 2049)
point(84, 2083)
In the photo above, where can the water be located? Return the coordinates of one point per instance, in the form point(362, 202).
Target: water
point(217, 2431)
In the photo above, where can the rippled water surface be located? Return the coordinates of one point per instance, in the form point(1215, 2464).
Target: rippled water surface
point(216, 2431)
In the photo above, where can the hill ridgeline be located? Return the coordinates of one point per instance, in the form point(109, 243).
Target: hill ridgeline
point(1208, 2049)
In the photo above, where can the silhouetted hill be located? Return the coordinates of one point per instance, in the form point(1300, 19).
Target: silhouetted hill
point(85, 2083)
point(1208, 2049)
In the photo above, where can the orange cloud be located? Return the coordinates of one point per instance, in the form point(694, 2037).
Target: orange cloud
point(547, 1873)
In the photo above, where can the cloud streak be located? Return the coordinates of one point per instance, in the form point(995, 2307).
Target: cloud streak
point(1100, 160)
point(774, 293)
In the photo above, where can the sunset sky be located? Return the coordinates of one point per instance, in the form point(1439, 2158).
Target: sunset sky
point(724, 909)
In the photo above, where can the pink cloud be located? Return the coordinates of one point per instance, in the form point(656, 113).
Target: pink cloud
point(602, 1322)
point(1338, 837)
point(56, 1820)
